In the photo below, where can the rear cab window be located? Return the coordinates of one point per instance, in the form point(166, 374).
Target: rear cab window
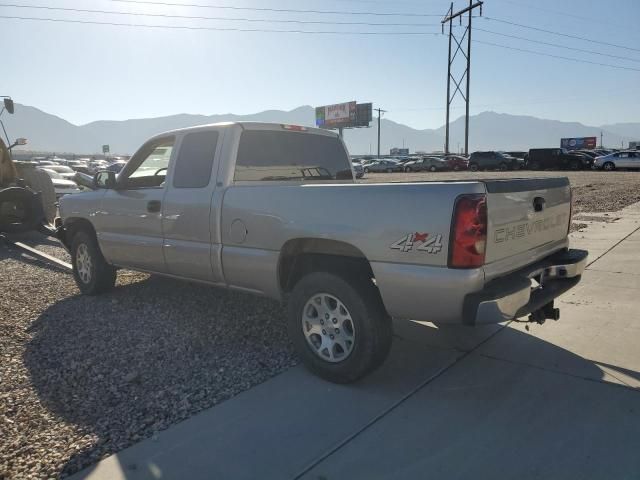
point(272, 155)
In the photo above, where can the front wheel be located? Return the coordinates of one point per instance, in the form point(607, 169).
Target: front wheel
point(609, 166)
point(338, 326)
point(91, 272)
point(432, 168)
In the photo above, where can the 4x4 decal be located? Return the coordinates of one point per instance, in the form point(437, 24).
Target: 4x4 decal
point(420, 242)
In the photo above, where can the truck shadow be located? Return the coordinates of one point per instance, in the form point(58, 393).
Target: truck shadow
point(127, 364)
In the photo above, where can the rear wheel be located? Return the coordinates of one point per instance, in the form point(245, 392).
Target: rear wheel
point(339, 326)
point(432, 168)
point(473, 167)
point(407, 169)
point(609, 166)
point(91, 272)
point(366, 170)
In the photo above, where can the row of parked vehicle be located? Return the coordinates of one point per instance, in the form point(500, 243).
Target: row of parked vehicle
point(63, 171)
point(534, 159)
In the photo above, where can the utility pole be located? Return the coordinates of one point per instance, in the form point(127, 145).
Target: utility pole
point(380, 112)
point(601, 139)
point(466, 74)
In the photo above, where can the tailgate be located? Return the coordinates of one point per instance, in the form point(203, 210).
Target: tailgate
point(524, 215)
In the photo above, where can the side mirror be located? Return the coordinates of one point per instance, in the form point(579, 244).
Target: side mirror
point(8, 105)
point(104, 179)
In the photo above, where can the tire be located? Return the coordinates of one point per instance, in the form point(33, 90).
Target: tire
point(609, 166)
point(389, 170)
point(370, 326)
point(473, 167)
point(366, 170)
point(574, 165)
point(432, 168)
point(503, 167)
point(93, 275)
point(39, 181)
point(407, 169)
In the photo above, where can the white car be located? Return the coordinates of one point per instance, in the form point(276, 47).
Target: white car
point(64, 171)
point(627, 159)
point(61, 185)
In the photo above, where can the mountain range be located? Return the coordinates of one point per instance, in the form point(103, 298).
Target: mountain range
point(488, 131)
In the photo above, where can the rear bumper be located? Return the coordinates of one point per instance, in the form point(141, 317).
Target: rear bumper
point(513, 296)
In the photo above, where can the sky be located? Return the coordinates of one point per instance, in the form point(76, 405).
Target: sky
point(86, 72)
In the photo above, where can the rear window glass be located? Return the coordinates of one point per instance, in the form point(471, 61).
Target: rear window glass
point(195, 160)
point(265, 155)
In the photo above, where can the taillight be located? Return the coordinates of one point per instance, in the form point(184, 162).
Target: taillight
point(468, 232)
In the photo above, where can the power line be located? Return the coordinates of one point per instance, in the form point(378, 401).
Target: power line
point(572, 59)
point(561, 34)
point(198, 17)
point(558, 46)
point(281, 10)
point(221, 29)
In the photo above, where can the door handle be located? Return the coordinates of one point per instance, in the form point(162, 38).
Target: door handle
point(153, 206)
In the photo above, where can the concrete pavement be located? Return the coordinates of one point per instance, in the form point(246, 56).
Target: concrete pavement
point(561, 400)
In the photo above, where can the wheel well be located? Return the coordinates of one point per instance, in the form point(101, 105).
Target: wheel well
point(301, 256)
point(73, 225)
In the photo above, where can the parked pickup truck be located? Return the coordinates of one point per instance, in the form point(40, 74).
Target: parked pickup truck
point(274, 210)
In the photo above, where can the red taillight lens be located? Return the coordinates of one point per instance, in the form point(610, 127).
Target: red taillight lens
point(468, 232)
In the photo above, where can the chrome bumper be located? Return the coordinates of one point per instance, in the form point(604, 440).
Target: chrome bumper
point(526, 290)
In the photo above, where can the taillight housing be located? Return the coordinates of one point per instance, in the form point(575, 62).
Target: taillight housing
point(468, 241)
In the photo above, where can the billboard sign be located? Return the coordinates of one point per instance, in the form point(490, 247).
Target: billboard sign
point(335, 116)
point(579, 143)
point(399, 151)
point(105, 149)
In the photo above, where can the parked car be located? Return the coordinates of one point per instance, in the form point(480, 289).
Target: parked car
point(243, 217)
point(61, 185)
point(613, 161)
point(517, 154)
point(553, 158)
point(431, 164)
point(586, 160)
point(493, 161)
point(62, 170)
point(456, 162)
point(379, 166)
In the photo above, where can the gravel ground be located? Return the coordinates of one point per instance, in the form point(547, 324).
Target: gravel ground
point(84, 377)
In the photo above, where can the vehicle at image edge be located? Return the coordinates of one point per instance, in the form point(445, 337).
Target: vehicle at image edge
point(230, 205)
point(381, 166)
point(61, 185)
point(554, 158)
point(430, 164)
point(494, 161)
point(457, 162)
point(625, 159)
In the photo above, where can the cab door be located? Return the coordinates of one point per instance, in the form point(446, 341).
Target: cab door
point(190, 229)
point(129, 220)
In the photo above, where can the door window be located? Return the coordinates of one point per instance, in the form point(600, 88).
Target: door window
point(152, 162)
point(195, 159)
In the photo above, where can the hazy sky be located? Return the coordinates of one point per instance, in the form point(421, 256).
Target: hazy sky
point(85, 72)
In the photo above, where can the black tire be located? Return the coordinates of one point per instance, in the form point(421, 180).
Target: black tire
point(609, 166)
point(371, 324)
point(473, 167)
point(407, 169)
point(366, 170)
point(102, 276)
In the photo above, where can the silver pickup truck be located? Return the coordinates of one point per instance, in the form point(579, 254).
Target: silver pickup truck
point(274, 210)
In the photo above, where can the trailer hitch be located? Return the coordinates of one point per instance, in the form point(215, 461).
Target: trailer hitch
point(547, 312)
